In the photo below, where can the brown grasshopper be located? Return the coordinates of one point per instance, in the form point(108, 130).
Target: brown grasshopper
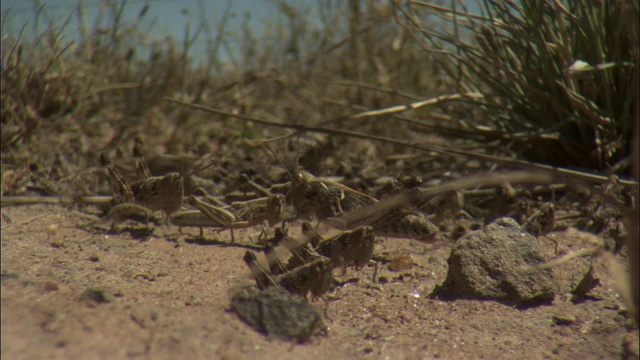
point(129, 211)
point(269, 208)
point(310, 195)
point(154, 193)
point(194, 218)
point(314, 276)
point(444, 206)
point(349, 248)
point(142, 168)
point(247, 183)
point(260, 274)
point(201, 192)
point(328, 199)
point(542, 222)
point(405, 223)
point(275, 265)
point(266, 209)
point(218, 215)
point(299, 251)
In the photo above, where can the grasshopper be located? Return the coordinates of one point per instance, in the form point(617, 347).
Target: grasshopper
point(314, 276)
point(250, 214)
point(349, 248)
point(200, 191)
point(218, 215)
point(269, 208)
point(444, 206)
point(542, 222)
point(129, 211)
point(275, 265)
point(260, 274)
point(299, 251)
point(406, 223)
point(328, 200)
point(154, 193)
point(325, 199)
point(142, 168)
point(194, 218)
point(244, 180)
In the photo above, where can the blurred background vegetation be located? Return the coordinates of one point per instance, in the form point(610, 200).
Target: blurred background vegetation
point(553, 82)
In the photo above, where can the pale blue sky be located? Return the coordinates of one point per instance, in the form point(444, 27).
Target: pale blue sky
point(164, 17)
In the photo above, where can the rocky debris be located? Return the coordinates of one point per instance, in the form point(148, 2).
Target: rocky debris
point(586, 284)
point(278, 314)
point(498, 262)
point(563, 319)
point(400, 263)
point(97, 294)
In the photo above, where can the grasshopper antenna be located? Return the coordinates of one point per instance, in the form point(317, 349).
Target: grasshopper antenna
point(142, 168)
point(282, 163)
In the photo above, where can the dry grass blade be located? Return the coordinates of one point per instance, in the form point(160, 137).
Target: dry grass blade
point(33, 200)
point(633, 215)
point(526, 55)
point(354, 134)
point(568, 257)
point(369, 214)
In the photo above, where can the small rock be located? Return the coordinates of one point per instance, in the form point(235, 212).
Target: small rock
point(563, 319)
point(97, 294)
point(458, 232)
point(402, 262)
point(498, 262)
point(50, 286)
point(278, 314)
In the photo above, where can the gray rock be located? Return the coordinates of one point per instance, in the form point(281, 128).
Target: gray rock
point(497, 263)
point(278, 314)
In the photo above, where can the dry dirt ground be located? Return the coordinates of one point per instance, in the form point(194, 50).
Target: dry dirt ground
point(167, 297)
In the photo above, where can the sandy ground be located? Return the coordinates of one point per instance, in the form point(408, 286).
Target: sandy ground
point(167, 297)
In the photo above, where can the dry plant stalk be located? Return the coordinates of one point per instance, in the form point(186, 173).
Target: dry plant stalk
point(535, 98)
point(416, 196)
point(633, 217)
point(423, 147)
